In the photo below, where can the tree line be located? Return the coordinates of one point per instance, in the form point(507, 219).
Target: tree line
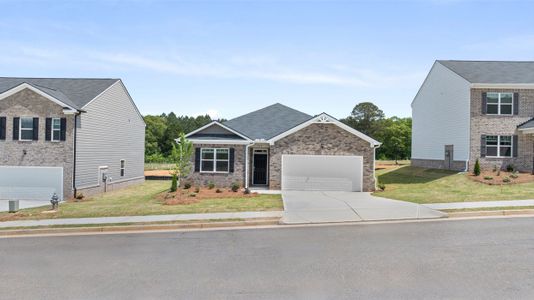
point(394, 133)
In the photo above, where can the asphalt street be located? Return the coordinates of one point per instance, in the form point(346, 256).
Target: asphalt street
point(468, 259)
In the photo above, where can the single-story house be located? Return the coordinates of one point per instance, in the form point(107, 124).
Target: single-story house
point(278, 147)
point(67, 135)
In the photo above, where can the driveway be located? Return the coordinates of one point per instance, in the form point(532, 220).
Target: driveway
point(304, 207)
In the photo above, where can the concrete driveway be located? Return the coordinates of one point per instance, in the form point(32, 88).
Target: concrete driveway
point(305, 207)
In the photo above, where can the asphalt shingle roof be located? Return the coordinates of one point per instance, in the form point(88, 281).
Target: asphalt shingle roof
point(528, 124)
point(75, 92)
point(492, 71)
point(268, 122)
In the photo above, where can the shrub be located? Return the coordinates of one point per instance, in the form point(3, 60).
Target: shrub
point(476, 170)
point(211, 185)
point(510, 168)
point(488, 177)
point(514, 175)
point(235, 187)
point(382, 186)
point(246, 191)
point(192, 194)
point(218, 191)
point(197, 190)
point(506, 179)
point(499, 173)
point(174, 183)
point(79, 196)
point(187, 185)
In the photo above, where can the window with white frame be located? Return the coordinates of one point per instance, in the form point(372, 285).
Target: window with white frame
point(498, 146)
point(122, 167)
point(499, 103)
point(214, 160)
point(26, 129)
point(56, 129)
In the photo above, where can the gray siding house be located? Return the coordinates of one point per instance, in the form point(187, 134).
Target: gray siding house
point(469, 110)
point(278, 147)
point(67, 136)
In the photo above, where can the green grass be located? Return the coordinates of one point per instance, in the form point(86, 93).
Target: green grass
point(421, 185)
point(392, 162)
point(158, 166)
point(141, 200)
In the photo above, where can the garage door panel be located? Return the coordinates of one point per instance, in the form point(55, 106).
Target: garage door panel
point(30, 183)
point(321, 172)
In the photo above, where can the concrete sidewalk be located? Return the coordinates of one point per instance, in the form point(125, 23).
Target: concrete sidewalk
point(4, 204)
point(480, 204)
point(143, 219)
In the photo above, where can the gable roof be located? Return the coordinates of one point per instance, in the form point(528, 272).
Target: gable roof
point(268, 122)
point(493, 72)
point(526, 125)
point(74, 92)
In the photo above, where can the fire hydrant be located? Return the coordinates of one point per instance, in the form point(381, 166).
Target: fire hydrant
point(54, 201)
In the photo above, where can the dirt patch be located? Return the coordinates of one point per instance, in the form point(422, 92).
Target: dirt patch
point(190, 196)
point(496, 178)
point(158, 173)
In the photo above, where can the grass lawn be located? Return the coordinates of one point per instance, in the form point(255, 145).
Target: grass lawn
point(436, 186)
point(141, 200)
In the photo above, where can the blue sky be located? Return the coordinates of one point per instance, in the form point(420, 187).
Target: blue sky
point(229, 58)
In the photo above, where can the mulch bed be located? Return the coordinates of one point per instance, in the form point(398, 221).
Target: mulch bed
point(498, 179)
point(184, 197)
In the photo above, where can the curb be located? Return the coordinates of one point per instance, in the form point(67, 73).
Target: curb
point(145, 227)
point(487, 213)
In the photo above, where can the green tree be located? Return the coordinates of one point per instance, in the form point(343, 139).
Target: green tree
point(366, 118)
point(181, 155)
point(396, 138)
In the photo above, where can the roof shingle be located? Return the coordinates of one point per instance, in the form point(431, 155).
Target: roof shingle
point(495, 72)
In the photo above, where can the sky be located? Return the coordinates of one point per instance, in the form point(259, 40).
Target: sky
point(227, 58)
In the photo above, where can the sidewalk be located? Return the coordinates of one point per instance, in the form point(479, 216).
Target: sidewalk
point(480, 204)
point(143, 219)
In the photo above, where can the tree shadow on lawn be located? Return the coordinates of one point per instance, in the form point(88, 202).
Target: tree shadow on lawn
point(413, 175)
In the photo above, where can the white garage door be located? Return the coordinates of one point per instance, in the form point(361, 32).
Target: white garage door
point(30, 183)
point(322, 173)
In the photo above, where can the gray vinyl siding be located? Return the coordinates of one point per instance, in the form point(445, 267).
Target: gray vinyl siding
point(111, 129)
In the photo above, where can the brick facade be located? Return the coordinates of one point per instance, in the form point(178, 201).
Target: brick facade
point(502, 125)
point(38, 153)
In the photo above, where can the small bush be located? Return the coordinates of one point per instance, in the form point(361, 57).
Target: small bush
point(211, 185)
point(235, 187)
point(382, 186)
point(187, 185)
point(197, 190)
point(506, 179)
point(174, 183)
point(218, 191)
point(488, 177)
point(79, 196)
point(510, 168)
point(192, 194)
point(476, 170)
point(246, 191)
point(514, 175)
point(499, 173)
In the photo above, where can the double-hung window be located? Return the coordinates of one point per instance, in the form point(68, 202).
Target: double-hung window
point(26, 129)
point(56, 129)
point(499, 146)
point(215, 160)
point(499, 103)
point(122, 167)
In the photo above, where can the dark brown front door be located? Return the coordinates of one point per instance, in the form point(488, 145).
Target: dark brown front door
point(259, 171)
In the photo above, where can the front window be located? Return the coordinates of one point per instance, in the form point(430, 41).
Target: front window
point(56, 129)
point(122, 167)
point(499, 146)
point(26, 129)
point(499, 103)
point(214, 160)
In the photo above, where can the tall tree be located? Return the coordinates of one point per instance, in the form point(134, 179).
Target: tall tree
point(365, 117)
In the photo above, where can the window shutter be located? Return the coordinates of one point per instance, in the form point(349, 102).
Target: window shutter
point(63, 131)
point(2, 128)
point(484, 102)
point(514, 145)
point(197, 159)
point(35, 129)
point(232, 152)
point(48, 129)
point(483, 146)
point(516, 103)
point(16, 128)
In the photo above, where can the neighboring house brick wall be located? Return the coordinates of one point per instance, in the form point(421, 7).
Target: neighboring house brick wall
point(502, 125)
point(322, 139)
point(38, 153)
point(220, 179)
point(111, 129)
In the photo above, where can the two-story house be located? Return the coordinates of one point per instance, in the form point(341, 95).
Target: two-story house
point(67, 135)
point(469, 110)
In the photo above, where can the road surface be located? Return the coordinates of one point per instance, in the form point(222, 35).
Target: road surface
point(489, 258)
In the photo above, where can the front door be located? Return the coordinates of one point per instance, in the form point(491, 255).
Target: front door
point(259, 167)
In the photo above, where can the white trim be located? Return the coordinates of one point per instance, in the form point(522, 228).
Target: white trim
point(502, 85)
point(219, 124)
point(25, 85)
point(215, 161)
point(499, 146)
point(325, 119)
point(26, 129)
point(527, 130)
point(52, 129)
point(220, 142)
point(499, 104)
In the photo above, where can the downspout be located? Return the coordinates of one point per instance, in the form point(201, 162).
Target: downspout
point(74, 154)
